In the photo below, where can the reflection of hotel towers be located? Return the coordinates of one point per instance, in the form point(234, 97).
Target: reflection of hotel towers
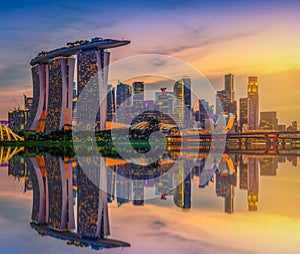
point(53, 88)
point(52, 182)
point(182, 191)
point(92, 206)
point(253, 184)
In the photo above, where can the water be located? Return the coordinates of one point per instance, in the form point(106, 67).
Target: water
point(248, 203)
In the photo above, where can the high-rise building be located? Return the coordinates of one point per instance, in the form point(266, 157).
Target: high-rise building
point(123, 95)
point(111, 103)
point(178, 93)
point(243, 112)
point(205, 112)
point(187, 100)
point(60, 94)
point(164, 101)
point(39, 103)
point(268, 121)
point(229, 86)
point(222, 102)
point(138, 95)
point(53, 79)
point(253, 103)
point(124, 103)
point(92, 70)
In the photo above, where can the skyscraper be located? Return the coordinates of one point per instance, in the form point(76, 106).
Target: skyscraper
point(268, 121)
point(243, 112)
point(229, 86)
point(187, 100)
point(53, 77)
point(111, 103)
point(205, 112)
point(178, 92)
point(138, 95)
point(60, 93)
point(253, 103)
point(123, 95)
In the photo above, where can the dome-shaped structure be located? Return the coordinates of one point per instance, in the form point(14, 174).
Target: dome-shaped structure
point(6, 134)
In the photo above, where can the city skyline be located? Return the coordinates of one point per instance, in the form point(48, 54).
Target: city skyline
point(266, 47)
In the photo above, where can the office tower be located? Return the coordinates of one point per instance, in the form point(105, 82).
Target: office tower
point(222, 102)
point(243, 112)
point(178, 93)
point(205, 112)
point(123, 95)
point(229, 86)
point(253, 184)
point(138, 95)
point(124, 103)
point(60, 94)
point(187, 100)
point(253, 103)
point(164, 101)
point(268, 121)
point(111, 103)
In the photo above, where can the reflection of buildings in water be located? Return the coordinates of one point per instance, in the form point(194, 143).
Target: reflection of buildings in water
point(268, 166)
point(292, 159)
point(182, 186)
point(53, 210)
point(225, 183)
point(253, 184)
point(92, 208)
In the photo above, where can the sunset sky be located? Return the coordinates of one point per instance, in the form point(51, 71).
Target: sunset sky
point(244, 38)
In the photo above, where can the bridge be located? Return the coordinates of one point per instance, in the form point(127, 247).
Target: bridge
point(6, 134)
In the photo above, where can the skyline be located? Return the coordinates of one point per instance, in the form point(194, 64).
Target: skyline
point(205, 38)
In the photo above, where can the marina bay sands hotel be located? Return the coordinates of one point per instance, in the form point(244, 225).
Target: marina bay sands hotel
point(53, 76)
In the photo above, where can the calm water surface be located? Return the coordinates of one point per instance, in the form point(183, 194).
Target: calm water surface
point(248, 203)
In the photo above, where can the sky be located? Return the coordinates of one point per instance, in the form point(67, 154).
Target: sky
point(219, 37)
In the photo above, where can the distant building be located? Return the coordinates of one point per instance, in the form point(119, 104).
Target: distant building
point(124, 101)
point(164, 101)
point(205, 112)
point(293, 126)
point(111, 103)
point(253, 103)
point(187, 100)
point(178, 92)
point(243, 112)
point(138, 95)
point(16, 119)
point(229, 86)
point(268, 120)
point(281, 127)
